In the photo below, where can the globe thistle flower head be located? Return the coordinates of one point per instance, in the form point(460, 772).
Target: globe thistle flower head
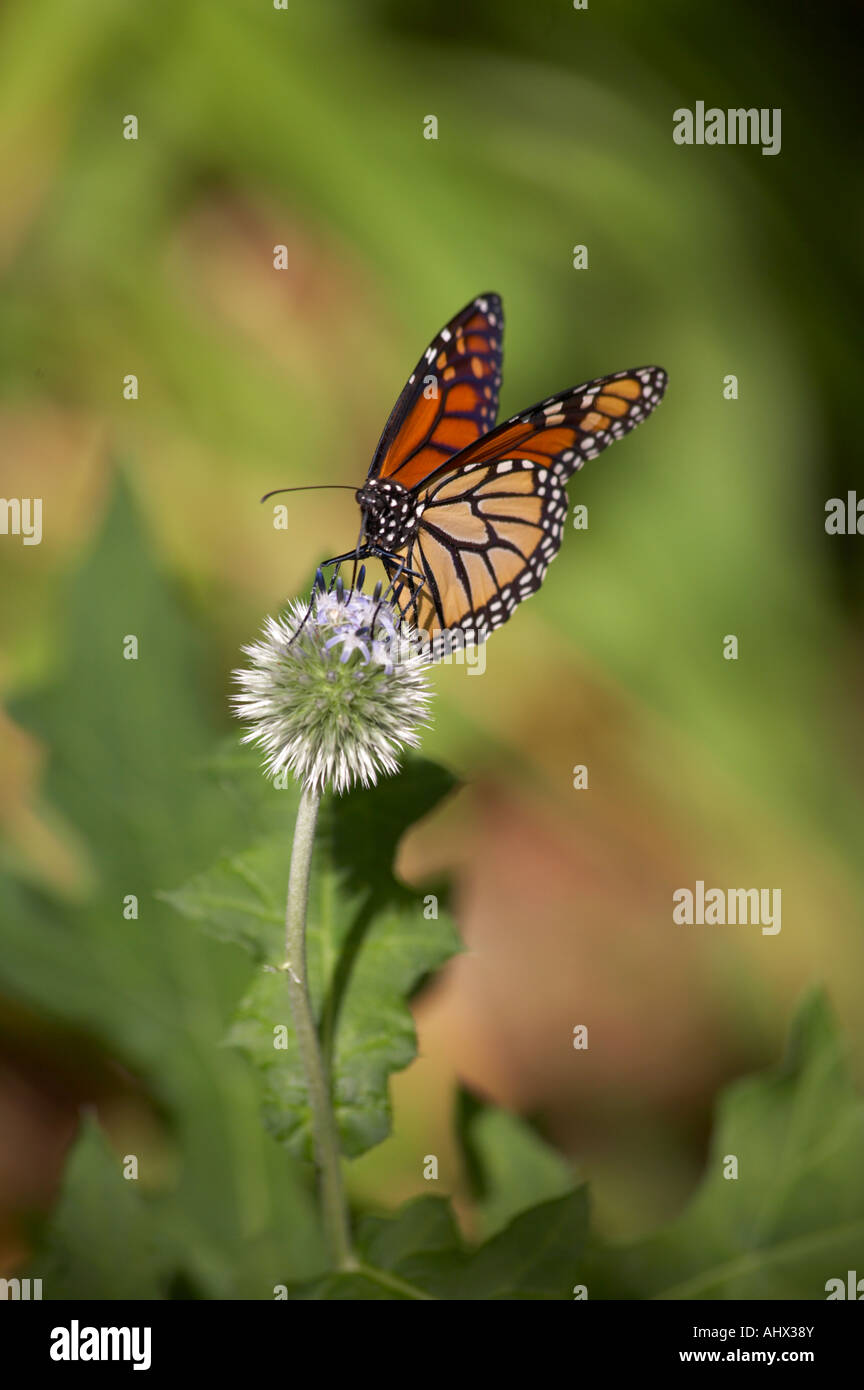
point(336, 689)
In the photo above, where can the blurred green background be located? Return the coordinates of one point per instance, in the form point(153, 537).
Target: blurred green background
point(304, 127)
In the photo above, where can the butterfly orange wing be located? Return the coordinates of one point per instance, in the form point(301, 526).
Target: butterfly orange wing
point(451, 398)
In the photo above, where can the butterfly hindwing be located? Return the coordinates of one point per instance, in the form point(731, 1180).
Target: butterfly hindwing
point(493, 519)
point(575, 425)
point(451, 398)
point(487, 535)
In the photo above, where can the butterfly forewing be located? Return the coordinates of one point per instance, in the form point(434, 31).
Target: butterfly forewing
point(450, 400)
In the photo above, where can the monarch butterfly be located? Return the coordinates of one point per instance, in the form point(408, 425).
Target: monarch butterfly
point(466, 517)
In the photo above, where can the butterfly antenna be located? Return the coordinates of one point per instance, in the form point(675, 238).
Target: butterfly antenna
point(312, 487)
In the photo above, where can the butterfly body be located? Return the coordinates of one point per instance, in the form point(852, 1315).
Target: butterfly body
point(390, 515)
point(465, 515)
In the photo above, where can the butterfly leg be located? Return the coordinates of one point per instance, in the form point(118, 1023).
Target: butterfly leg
point(341, 559)
point(390, 594)
point(336, 560)
point(310, 605)
point(397, 583)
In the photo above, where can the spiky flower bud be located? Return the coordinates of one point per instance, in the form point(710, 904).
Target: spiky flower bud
point(336, 690)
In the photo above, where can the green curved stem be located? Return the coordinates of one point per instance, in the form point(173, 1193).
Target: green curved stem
point(324, 1130)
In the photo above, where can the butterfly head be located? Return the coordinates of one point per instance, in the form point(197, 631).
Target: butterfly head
point(390, 513)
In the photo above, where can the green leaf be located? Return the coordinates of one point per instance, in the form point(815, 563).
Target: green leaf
point(397, 1255)
point(418, 1255)
point(794, 1216)
point(535, 1257)
point(370, 944)
point(510, 1168)
point(125, 743)
point(101, 1242)
point(124, 733)
point(792, 1220)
